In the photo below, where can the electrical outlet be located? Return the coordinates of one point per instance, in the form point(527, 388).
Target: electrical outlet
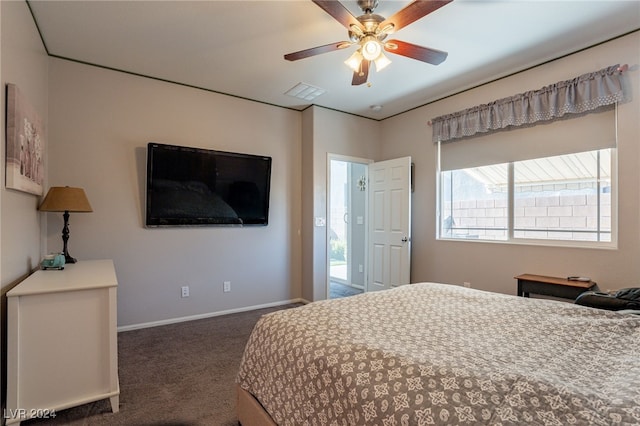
point(467, 284)
point(360, 268)
point(226, 286)
point(185, 291)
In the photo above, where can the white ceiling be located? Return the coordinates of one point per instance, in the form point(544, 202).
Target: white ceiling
point(237, 47)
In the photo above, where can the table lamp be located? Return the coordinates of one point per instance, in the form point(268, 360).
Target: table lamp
point(65, 199)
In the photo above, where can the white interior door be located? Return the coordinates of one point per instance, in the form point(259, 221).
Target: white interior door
point(389, 224)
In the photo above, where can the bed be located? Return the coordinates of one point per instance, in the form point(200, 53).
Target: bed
point(433, 353)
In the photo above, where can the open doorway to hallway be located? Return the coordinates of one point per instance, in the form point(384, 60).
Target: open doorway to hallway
point(347, 238)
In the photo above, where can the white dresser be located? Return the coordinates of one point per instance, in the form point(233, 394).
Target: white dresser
point(62, 347)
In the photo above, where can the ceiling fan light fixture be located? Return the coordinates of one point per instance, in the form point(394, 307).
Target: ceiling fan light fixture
point(371, 48)
point(369, 31)
point(387, 29)
point(381, 62)
point(356, 30)
point(355, 60)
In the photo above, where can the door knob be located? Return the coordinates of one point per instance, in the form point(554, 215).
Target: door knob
point(405, 239)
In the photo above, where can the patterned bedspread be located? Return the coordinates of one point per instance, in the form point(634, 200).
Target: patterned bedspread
point(440, 354)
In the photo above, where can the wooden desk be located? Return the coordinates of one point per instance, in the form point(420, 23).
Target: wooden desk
point(552, 286)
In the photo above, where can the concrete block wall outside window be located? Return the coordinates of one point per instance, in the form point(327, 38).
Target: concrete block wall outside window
point(540, 216)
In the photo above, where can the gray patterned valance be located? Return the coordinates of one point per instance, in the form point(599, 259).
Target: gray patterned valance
point(581, 94)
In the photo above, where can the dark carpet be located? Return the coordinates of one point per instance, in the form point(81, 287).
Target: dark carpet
point(174, 375)
point(337, 290)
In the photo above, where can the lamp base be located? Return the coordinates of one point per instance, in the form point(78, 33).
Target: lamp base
point(65, 239)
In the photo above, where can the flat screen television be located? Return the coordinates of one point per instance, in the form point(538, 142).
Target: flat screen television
point(194, 186)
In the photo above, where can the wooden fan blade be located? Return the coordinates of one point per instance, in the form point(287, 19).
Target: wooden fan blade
point(424, 54)
point(338, 12)
point(412, 13)
point(316, 50)
point(360, 77)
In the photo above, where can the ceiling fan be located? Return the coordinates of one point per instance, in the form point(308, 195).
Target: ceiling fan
point(369, 32)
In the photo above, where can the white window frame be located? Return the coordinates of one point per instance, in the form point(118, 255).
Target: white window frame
point(613, 244)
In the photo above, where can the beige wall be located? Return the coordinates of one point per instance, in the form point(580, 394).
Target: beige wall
point(307, 210)
point(24, 63)
point(101, 122)
point(492, 266)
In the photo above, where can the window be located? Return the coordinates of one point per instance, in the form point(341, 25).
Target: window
point(475, 203)
point(538, 166)
point(561, 198)
point(566, 197)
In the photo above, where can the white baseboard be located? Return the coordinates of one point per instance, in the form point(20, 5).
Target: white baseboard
point(207, 315)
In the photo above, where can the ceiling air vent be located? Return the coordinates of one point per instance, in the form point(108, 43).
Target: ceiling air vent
point(305, 91)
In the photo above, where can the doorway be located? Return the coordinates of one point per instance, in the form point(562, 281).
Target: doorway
point(347, 225)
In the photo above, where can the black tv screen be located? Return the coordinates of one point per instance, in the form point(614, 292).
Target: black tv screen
point(194, 186)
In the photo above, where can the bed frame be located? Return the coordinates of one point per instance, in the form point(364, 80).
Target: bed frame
point(250, 411)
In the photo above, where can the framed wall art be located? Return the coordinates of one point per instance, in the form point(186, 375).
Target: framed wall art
point(25, 144)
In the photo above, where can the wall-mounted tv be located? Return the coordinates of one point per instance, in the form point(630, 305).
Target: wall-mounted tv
point(194, 186)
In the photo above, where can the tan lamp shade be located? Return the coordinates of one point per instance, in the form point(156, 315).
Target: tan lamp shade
point(65, 199)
